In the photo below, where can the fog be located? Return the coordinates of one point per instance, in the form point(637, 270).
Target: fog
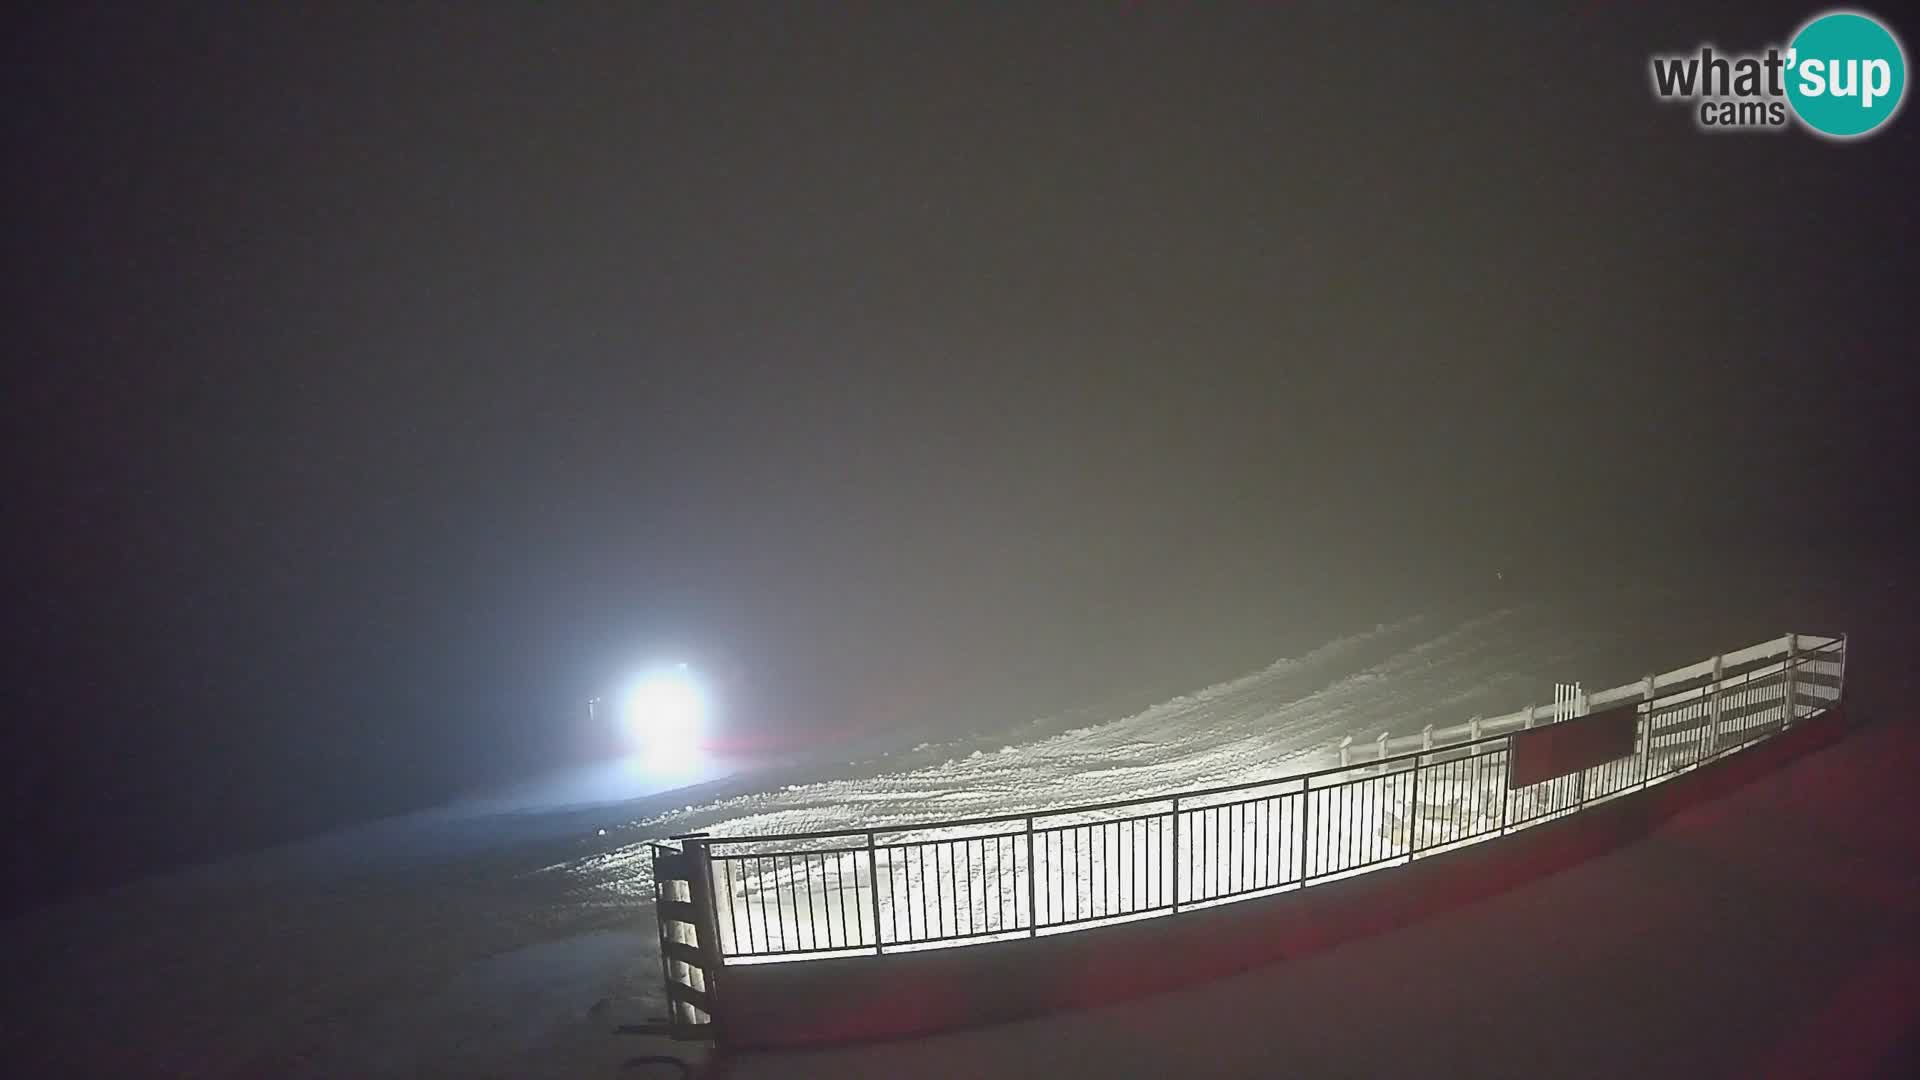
point(389, 383)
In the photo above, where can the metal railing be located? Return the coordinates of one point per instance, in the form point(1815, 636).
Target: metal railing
point(938, 884)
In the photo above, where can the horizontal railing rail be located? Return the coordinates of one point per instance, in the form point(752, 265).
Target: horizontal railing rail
point(943, 883)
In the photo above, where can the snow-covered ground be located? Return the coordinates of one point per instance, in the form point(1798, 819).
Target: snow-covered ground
point(1765, 934)
point(913, 883)
point(507, 941)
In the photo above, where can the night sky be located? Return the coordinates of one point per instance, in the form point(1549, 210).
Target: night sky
point(385, 381)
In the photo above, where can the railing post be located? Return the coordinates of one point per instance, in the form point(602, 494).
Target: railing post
point(1786, 714)
point(1713, 704)
point(1346, 751)
point(1840, 692)
point(1176, 853)
point(1426, 738)
point(1306, 808)
point(1473, 728)
point(707, 929)
point(1646, 724)
point(1413, 807)
point(1574, 699)
point(1033, 872)
point(1526, 717)
point(1381, 756)
point(1506, 785)
point(873, 878)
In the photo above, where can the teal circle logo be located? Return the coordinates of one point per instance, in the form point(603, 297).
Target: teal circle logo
point(1846, 74)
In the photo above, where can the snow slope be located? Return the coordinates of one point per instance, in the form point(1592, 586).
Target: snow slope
point(492, 943)
point(1286, 718)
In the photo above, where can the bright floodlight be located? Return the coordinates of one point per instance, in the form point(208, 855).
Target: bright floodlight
point(665, 711)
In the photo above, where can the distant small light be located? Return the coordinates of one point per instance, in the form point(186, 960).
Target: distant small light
point(603, 832)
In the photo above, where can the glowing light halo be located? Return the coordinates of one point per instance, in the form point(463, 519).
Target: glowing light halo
point(665, 712)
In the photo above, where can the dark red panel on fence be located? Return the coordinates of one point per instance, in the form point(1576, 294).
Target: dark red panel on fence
point(1565, 748)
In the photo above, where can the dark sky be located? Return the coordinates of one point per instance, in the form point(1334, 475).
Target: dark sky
point(387, 379)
